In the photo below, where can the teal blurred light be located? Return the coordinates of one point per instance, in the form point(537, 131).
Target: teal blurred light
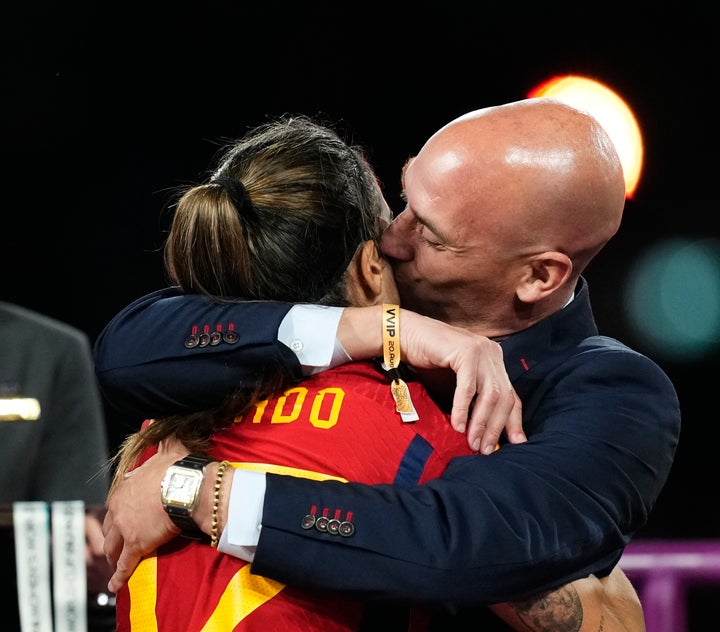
point(672, 298)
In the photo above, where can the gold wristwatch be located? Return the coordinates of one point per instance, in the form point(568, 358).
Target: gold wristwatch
point(180, 493)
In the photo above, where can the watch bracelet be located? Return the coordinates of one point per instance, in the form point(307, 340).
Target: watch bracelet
point(188, 527)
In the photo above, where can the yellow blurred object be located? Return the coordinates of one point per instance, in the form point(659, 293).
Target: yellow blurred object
point(19, 409)
point(610, 110)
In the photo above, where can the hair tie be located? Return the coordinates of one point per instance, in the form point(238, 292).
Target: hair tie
point(236, 192)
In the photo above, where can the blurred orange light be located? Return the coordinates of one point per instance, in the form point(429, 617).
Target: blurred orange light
point(610, 110)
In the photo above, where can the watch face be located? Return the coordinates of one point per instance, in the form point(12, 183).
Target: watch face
point(181, 487)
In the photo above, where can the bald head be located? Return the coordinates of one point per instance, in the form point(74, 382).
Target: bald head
point(543, 174)
point(505, 208)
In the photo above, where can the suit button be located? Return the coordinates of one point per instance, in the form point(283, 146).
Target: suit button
point(321, 524)
point(192, 341)
point(230, 337)
point(346, 529)
point(308, 522)
point(333, 526)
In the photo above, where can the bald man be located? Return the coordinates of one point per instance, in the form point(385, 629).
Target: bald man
point(506, 206)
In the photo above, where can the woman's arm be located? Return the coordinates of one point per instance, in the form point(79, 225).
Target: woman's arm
point(592, 604)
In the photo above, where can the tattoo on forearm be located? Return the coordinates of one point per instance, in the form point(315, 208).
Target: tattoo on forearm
point(558, 610)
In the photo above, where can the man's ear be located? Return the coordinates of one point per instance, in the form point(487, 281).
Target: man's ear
point(366, 278)
point(546, 273)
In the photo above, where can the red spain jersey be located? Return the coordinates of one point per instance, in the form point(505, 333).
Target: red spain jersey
point(338, 424)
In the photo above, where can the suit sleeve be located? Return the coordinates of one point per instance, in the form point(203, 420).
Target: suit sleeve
point(604, 428)
point(148, 354)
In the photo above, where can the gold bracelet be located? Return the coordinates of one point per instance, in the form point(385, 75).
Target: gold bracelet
point(214, 538)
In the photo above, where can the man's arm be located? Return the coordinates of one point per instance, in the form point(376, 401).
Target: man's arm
point(528, 518)
point(168, 353)
point(589, 604)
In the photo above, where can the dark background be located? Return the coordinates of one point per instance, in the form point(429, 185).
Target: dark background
point(106, 108)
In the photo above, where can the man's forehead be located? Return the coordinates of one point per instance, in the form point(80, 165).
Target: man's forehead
point(438, 161)
point(425, 201)
point(434, 200)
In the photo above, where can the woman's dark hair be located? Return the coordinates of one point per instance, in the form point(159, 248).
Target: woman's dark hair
point(280, 219)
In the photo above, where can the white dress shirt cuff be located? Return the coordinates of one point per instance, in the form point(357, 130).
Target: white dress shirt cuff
point(242, 529)
point(310, 331)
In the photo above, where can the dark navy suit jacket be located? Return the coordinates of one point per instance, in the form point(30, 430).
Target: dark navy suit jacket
point(603, 423)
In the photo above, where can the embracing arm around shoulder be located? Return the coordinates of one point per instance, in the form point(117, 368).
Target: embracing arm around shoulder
point(603, 423)
point(169, 353)
point(603, 426)
point(554, 509)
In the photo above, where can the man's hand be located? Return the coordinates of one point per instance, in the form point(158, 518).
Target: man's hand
point(136, 523)
point(484, 400)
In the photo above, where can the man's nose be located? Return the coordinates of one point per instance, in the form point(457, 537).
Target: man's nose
point(396, 242)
